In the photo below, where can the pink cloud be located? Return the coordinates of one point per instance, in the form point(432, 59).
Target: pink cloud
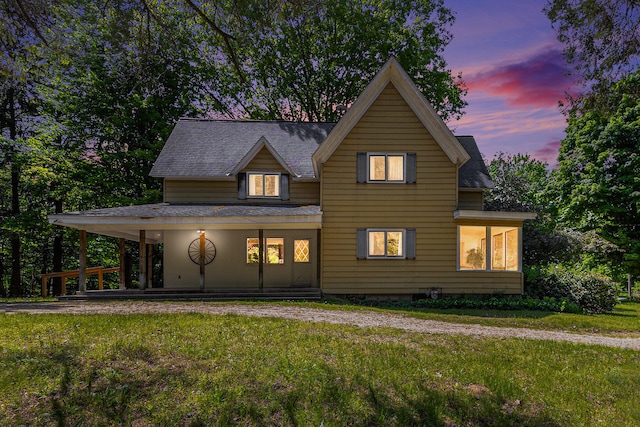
point(538, 81)
point(548, 153)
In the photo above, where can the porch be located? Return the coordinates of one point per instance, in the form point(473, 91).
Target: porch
point(229, 294)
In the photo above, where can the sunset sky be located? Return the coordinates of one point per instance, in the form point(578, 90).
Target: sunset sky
point(513, 66)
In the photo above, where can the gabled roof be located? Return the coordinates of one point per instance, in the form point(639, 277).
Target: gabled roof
point(213, 149)
point(392, 72)
point(474, 173)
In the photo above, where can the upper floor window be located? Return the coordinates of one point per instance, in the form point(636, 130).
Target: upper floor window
point(264, 184)
point(386, 168)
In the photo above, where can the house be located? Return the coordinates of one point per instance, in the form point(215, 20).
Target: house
point(385, 202)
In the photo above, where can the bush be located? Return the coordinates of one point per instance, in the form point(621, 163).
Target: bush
point(477, 302)
point(592, 292)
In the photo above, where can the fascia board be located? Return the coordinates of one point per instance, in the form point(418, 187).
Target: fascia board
point(493, 215)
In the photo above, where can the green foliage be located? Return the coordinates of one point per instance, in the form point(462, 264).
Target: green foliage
point(600, 37)
point(302, 67)
point(591, 292)
point(597, 182)
point(491, 302)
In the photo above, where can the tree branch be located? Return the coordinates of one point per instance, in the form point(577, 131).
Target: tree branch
point(226, 38)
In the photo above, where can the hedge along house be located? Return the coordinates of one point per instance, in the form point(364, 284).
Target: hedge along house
point(385, 202)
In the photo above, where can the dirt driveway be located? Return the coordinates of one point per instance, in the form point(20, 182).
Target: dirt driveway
point(364, 319)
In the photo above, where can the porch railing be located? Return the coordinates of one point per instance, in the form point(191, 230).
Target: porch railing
point(100, 271)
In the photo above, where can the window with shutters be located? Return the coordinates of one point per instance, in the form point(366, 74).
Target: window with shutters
point(263, 184)
point(375, 243)
point(396, 168)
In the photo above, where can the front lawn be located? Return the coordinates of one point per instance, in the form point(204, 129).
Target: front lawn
point(195, 369)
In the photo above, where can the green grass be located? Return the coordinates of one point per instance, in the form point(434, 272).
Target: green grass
point(193, 369)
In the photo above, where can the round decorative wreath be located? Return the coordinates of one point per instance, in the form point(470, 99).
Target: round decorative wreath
point(209, 251)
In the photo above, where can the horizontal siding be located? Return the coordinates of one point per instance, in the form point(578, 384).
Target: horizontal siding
point(264, 162)
point(391, 126)
point(185, 191)
point(470, 200)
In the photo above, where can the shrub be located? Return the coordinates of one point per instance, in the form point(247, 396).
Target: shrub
point(592, 292)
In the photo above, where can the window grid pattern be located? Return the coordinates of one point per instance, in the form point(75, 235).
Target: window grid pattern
point(301, 252)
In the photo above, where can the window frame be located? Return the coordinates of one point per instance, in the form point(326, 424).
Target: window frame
point(265, 252)
point(386, 168)
point(264, 176)
point(490, 250)
point(386, 231)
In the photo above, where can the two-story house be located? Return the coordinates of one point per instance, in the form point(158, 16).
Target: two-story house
point(385, 202)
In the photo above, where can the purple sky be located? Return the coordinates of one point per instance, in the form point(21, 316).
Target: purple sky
point(512, 64)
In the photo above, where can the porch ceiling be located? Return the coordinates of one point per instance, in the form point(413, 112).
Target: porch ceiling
point(126, 221)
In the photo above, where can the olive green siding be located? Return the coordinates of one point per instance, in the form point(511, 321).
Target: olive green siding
point(210, 191)
point(390, 126)
point(470, 200)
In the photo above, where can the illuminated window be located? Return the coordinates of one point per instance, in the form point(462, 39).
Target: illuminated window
point(264, 185)
point(301, 251)
point(501, 243)
point(386, 168)
point(386, 243)
point(273, 250)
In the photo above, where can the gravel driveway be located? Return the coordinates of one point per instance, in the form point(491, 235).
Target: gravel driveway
point(364, 319)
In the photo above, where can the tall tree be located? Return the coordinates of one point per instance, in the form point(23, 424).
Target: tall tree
point(601, 39)
point(303, 66)
point(598, 177)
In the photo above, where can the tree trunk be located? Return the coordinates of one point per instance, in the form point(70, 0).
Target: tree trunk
point(15, 285)
point(57, 252)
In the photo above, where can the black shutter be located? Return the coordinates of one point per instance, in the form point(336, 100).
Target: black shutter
point(361, 243)
point(412, 168)
point(410, 236)
point(284, 186)
point(242, 186)
point(361, 168)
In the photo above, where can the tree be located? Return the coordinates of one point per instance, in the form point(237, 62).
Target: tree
point(601, 37)
point(302, 67)
point(598, 178)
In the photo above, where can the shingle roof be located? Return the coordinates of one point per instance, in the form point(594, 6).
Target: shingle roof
point(160, 210)
point(213, 148)
point(200, 148)
point(474, 173)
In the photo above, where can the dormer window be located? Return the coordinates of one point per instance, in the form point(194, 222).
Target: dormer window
point(264, 184)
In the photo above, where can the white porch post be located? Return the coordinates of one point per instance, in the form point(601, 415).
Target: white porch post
point(202, 260)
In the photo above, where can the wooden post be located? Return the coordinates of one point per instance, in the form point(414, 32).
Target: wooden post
point(149, 266)
point(100, 280)
point(122, 267)
point(82, 277)
point(629, 285)
point(202, 259)
point(260, 258)
point(143, 260)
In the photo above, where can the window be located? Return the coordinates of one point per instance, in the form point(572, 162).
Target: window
point(264, 184)
point(301, 251)
point(501, 243)
point(386, 167)
point(273, 250)
point(386, 243)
